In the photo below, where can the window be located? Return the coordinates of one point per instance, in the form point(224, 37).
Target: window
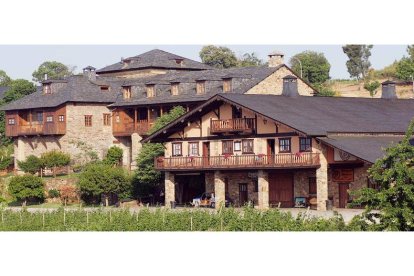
point(312, 185)
point(227, 85)
point(88, 120)
point(47, 89)
point(107, 119)
point(284, 144)
point(61, 118)
point(177, 149)
point(247, 145)
point(117, 118)
point(305, 144)
point(150, 90)
point(39, 117)
point(193, 148)
point(236, 113)
point(237, 145)
point(12, 121)
point(49, 119)
point(201, 87)
point(104, 88)
point(127, 92)
point(227, 147)
point(174, 88)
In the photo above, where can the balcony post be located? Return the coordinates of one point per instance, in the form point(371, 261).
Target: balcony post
point(263, 191)
point(322, 180)
point(169, 188)
point(219, 189)
point(135, 120)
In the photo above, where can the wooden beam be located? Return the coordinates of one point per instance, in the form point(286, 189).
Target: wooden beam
point(135, 119)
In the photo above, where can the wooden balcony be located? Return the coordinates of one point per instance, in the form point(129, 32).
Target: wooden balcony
point(56, 128)
point(300, 160)
point(232, 125)
point(128, 128)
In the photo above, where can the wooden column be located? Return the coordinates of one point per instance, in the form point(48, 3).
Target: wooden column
point(148, 114)
point(135, 119)
point(161, 111)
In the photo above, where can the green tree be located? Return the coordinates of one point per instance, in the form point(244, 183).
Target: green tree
point(55, 159)
point(114, 156)
point(324, 90)
point(32, 164)
point(18, 89)
point(250, 60)
point(410, 51)
point(405, 69)
point(358, 59)
point(218, 56)
point(391, 206)
point(6, 158)
point(99, 179)
point(53, 69)
point(5, 80)
point(26, 187)
point(146, 178)
point(372, 87)
point(315, 66)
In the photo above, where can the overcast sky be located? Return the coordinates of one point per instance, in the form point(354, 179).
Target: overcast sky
point(20, 61)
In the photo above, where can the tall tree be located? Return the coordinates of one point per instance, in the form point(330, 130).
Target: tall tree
point(315, 66)
point(4, 79)
point(405, 69)
point(218, 56)
point(358, 59)
point(410, 51)
point(390, 206)
point(250, 60)
point(53, 69)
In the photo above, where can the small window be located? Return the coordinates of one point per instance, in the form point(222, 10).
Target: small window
point(49, 119)
point(201, 87)
point(193, 148)
point(104, 88)
point(177, 149)
point(305, 144)
point(312, 185)
point(61, 118)
point(284, 145)
point(150, 90)
point(175, 89)
point(127, 92)
point(237, 145)
point(11, 121)
point(47, 89)
point(227, 85)
point(88, 120)
point(247, 145)
point(39, 117)
point(107, 119)
point(117, 118)
point(227, 147)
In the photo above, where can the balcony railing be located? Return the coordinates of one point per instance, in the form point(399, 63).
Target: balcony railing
point(53, 128)
point(232, 125)
point(125, 129)
point(238, 161)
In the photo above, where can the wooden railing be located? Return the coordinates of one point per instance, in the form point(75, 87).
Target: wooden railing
point(55, 128)
point(125, 129)
point(239, 161)
point(232, 125)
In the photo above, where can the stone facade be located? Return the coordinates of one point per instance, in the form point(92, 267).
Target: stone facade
point(219, 189)
point(263, 190)
point(169, 188)
point(301, 182)
point(322, 179)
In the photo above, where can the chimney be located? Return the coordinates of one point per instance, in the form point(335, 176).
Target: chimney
point(388, 90)
point(290, 86)
point(89, 72)
point(276, 59)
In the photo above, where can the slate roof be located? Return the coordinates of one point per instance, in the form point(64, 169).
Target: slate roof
point(77, 89)
point(315, 116)
point(367, 148)
point(155, 59)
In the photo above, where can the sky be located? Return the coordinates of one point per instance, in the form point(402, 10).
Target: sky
point(21, 60)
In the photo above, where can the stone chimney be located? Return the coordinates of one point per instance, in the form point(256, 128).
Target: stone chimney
point(290, 86)
point(276, 59)
point(388, 90)
point(90, 73)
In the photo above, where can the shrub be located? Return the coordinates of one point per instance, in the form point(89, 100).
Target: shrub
point(114, 156)
point(53, 193)
point(6, 158)
point(99, 179)
point(372, 87)
point(324, 90)
point(27, 187)
point(54, 159)
point(32, 164)
point(68, 193)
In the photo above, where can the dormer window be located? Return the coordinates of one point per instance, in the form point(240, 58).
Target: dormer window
point(175, 88)
point(179, 61)
point(105, 88)
point(47, 89)
point(227, 85)
point(127, 92)
point(201, 87)
point(150, 90)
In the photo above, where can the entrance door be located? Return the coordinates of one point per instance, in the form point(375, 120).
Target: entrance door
point(281, 189)
point(243, 195)
point(270, 150)
point(343, 194)
point(206, 153)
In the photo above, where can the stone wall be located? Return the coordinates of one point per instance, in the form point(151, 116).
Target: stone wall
point(301, 182)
